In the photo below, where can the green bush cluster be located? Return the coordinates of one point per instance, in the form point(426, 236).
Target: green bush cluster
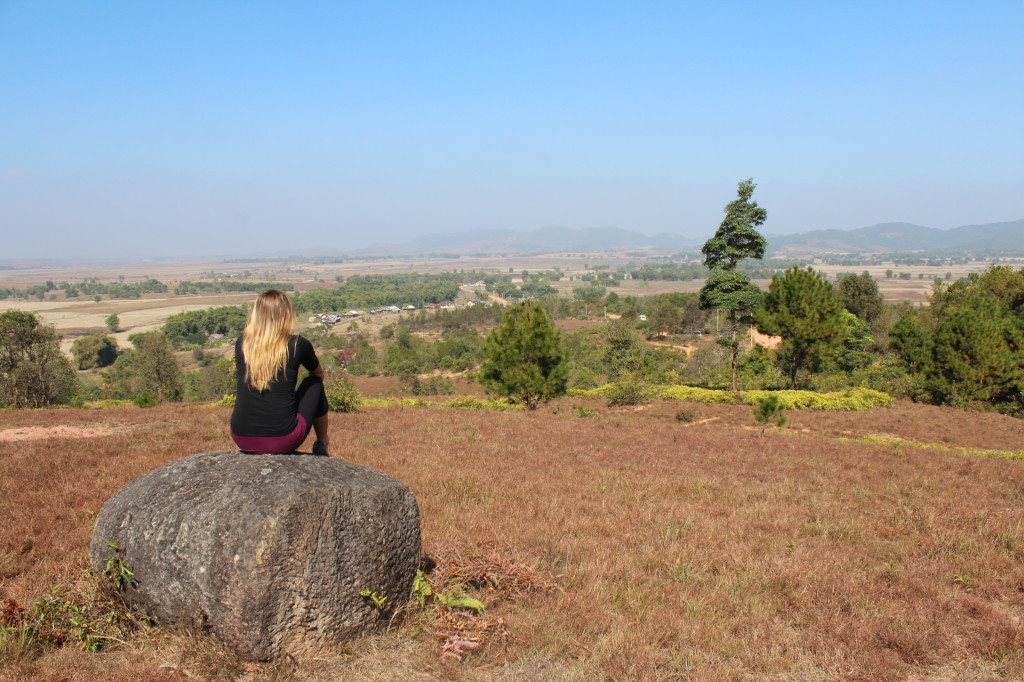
point(630, 390)
point(964, 348)
point(148, 367)
point(468, 403)
point(221, 286)
point(694, 394)
point(434, 385)
point(214, 377)
point(836, 401)
point(363, 292)
point(91, 286)
point(194, 327)
point(850, 399)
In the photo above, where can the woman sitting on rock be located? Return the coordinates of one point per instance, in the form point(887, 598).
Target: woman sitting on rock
point(271, 415)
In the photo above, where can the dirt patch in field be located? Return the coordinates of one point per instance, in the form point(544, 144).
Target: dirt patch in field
point(43, 432)
point(689, 350)
point(570, 326)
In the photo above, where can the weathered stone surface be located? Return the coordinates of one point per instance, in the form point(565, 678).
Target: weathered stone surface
point(266, 552)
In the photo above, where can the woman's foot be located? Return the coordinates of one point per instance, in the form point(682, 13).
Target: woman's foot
point(320, 448)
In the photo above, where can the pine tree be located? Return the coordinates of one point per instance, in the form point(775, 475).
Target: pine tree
point(977, 355)
point(524, 357)
point(804, 309)
point(911, 342)
point(727, 289)
point(737, 237)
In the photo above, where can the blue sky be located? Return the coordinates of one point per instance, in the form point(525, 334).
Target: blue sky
point(203, 128)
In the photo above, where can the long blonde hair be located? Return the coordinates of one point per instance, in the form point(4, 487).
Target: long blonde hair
point(265, 339)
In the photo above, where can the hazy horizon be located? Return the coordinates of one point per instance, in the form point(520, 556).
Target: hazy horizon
point(196, 129)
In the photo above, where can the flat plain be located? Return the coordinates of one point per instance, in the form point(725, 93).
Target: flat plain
point(74, 318)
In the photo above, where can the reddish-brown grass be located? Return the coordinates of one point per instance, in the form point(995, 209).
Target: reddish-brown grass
point(626, 545)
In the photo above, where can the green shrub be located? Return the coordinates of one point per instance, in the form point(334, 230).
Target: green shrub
point(582, 378)
point(144, 400)
point(467, 403)
point(685, 416)
point(769, 409)
point(94, 351)
point(630, 389)
point(598, 392)
point(342, 395)
point(584, 411)
point(891, 377)
point(433, 385)
point(436, 385)
point(829, 383)
point(82, 614)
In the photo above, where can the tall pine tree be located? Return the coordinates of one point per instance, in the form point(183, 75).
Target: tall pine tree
point(727, 289)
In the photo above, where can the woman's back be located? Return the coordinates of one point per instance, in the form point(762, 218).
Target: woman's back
point(270, 412)
point(271, 415)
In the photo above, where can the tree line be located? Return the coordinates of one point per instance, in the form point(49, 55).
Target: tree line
point(961, 350)
point(222, 286)
point(88, 287)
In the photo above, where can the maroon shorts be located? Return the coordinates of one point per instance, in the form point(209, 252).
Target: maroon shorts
point(272, 445)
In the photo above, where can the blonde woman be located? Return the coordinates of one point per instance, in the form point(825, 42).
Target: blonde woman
point(271, 415)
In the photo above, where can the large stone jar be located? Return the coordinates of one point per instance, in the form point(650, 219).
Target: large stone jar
point(268, 553)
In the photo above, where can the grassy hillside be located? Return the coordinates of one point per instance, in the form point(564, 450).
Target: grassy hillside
point(634, 543)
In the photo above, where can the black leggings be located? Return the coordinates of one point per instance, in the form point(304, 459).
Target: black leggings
point(311, 398)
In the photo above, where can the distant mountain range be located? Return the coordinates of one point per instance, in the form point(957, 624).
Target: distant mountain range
point(903, 237)
point(883, 238)
point(543, 240)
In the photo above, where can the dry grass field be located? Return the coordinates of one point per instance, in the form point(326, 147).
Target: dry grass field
point(629, 544)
